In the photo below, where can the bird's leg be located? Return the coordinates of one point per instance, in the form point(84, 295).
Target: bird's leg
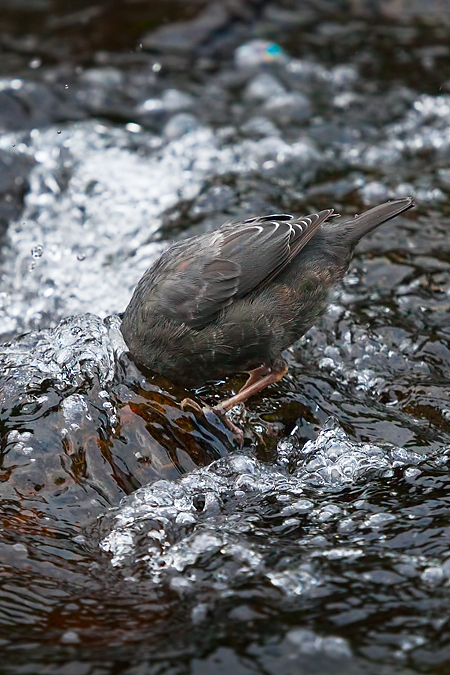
point(255, 383)
point(255, 376)
point(259, 379)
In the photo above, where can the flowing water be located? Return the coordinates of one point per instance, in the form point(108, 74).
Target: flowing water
point(136, 537)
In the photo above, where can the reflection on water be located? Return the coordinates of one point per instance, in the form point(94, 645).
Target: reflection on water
point(322, 545)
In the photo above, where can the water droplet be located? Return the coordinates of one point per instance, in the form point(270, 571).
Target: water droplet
point(31, 266)
point(66, 86)
point(134, 128)
point(37, 251)
point(156, 67)
point(59, 132)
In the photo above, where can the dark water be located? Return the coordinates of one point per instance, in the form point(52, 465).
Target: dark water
point(324, 544)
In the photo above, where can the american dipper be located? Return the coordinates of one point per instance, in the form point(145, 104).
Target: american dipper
point(233, 299)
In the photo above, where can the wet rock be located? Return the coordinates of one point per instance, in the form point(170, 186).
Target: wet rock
point(375, 193)
point(343, 77)
point(181, 124)
point(208, 28)
point(302, 72)
point(174, 100)
point(437, 9)
point(14, 172)
point(289, 107)
point(259, 127)
point(24, 105)
point(217, 198)
point(13, 115)
point(263, 87)
point(103, 77)
point(169, 102)
point(308, 643)
point(186, 36)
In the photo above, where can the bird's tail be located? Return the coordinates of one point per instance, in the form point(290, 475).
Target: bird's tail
point(354, 230)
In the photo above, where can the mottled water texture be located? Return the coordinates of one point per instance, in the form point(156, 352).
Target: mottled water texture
point(136, 537)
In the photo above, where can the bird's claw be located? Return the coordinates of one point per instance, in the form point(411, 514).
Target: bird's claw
point(237, 431)
point(188, 405)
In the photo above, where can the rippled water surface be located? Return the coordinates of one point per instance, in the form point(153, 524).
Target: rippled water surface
point(136, 536)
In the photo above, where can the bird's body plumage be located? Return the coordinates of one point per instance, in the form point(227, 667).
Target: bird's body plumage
point(233, 299)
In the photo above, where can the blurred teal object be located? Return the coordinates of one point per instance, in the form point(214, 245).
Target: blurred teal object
point(259, 52)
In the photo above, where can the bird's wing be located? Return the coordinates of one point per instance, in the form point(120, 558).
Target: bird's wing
point(245, 255)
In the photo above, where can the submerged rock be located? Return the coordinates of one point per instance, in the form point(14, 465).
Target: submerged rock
point(81, 425)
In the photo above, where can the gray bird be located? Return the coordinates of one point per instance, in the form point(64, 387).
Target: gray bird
point(233, 299)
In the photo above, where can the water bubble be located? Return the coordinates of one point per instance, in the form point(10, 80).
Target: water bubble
point(37, 251)
point(70, 637)
point(133, 127)
point(20, 548)
point(156, 67)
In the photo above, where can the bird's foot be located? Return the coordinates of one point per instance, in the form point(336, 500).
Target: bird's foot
point(259, 379)
point(237, 431)
point(189, 405)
